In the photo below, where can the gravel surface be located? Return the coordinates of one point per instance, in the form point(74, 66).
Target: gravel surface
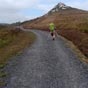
point(47, 64)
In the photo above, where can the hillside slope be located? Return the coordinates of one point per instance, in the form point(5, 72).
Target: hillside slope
point(63, 17)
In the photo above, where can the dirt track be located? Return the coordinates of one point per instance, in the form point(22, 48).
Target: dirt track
point(47, 64)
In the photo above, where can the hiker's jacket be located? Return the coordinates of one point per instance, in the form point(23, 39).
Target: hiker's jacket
point(51, 27)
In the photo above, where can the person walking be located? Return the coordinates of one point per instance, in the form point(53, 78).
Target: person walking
point(52, 30)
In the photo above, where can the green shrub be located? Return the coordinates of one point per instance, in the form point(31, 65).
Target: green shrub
point(4, 42)
point(2, 74)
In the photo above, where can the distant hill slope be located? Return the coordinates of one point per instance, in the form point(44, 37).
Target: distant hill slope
point(63, 16)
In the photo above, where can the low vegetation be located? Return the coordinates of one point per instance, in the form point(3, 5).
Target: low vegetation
point(2, 84)
point(80, 39)
point(12, 41)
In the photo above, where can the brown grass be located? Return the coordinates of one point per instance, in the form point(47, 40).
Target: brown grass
point(16, 42)
point(80, 39)
point(63, 20)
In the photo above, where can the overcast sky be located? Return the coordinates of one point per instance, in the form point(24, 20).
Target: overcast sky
point(21, 10)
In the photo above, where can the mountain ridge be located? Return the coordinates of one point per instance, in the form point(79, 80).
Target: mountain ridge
point(60, 8)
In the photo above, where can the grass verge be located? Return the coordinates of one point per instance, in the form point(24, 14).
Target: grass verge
point(12, 43)
point(19, 42)
point(2, 84)
point(81, 56)
point(79, 39)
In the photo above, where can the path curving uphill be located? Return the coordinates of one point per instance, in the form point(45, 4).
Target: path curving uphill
point(47, 64)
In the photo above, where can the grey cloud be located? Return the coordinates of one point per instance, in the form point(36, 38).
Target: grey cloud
point(10, 9)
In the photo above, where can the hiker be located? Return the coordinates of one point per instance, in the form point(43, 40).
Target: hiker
point(52, 30)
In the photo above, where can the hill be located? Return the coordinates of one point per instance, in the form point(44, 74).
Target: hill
point(72, 23)
point(63, 16)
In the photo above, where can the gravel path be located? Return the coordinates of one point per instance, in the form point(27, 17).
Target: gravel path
point(47, 64)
